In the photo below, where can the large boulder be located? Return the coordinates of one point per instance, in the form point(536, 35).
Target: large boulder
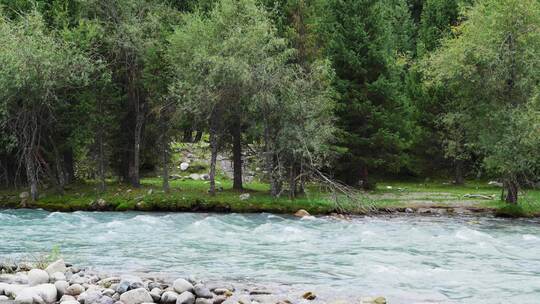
point(185, 298)
point(44, 293)
point(37, 277)
point(181, 285)
point(57, 276)
point(56, 266)
point(12, 290)
point(61, 287)
point(136, 296)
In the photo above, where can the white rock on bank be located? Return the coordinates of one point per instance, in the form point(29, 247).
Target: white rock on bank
point(184, 166)
point(12, 290)
point(181, 285)
point(74, 290)
point(56, 266)
point(169, 297)
point(136, 296)
point(57, 276)
point(185, 298)
point(65, 298)
point(44, 293)
point(61, 287)
point(37, 277)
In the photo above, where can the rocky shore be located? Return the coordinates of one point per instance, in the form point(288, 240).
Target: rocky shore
point(64, 283)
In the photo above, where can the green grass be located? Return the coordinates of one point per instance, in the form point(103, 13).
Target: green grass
point(189, 195)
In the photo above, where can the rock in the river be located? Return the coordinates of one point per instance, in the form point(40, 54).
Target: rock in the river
point(37, 277)
point(373, 300)
point(301, 213)
point(202, 291)
point(309, 296)
point(185, 298)
point(136, 296)
point(169, 297)
point(244, 196)
point(74, 290)
point(56, 266)
point(61, 287)
point(181, 285)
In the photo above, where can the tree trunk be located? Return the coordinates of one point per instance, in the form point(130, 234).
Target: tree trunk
point(31, 175)
point(292, 182)
point(198, 136)
point(459, 180)
point(101, 162)
point(136, 162)
point(69, 167)
point(512, 189)
point(213, 160)
point(237, 157)
point(165, 154)
point(188, 135)
point(364, 180)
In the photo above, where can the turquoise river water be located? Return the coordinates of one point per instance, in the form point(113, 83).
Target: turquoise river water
point(407, 259)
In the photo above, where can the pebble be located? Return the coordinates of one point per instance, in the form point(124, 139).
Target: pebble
point(185, 298)
point(181, 285)
point(202, 291)
point(136, 296)
point(61, 287)
point(74, 290)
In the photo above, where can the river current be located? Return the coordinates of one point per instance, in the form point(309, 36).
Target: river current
point(407, 259)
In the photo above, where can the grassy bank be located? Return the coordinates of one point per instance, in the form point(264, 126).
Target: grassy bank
point(189, 195)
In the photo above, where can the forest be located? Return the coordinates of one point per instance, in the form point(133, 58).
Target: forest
point(353, 91)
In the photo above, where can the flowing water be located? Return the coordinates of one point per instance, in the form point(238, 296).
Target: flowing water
point(406, 259)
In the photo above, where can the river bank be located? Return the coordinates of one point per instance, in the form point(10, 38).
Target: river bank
point(58, 282)
point(433, 198)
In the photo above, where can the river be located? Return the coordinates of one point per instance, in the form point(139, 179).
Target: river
point(407, 259)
